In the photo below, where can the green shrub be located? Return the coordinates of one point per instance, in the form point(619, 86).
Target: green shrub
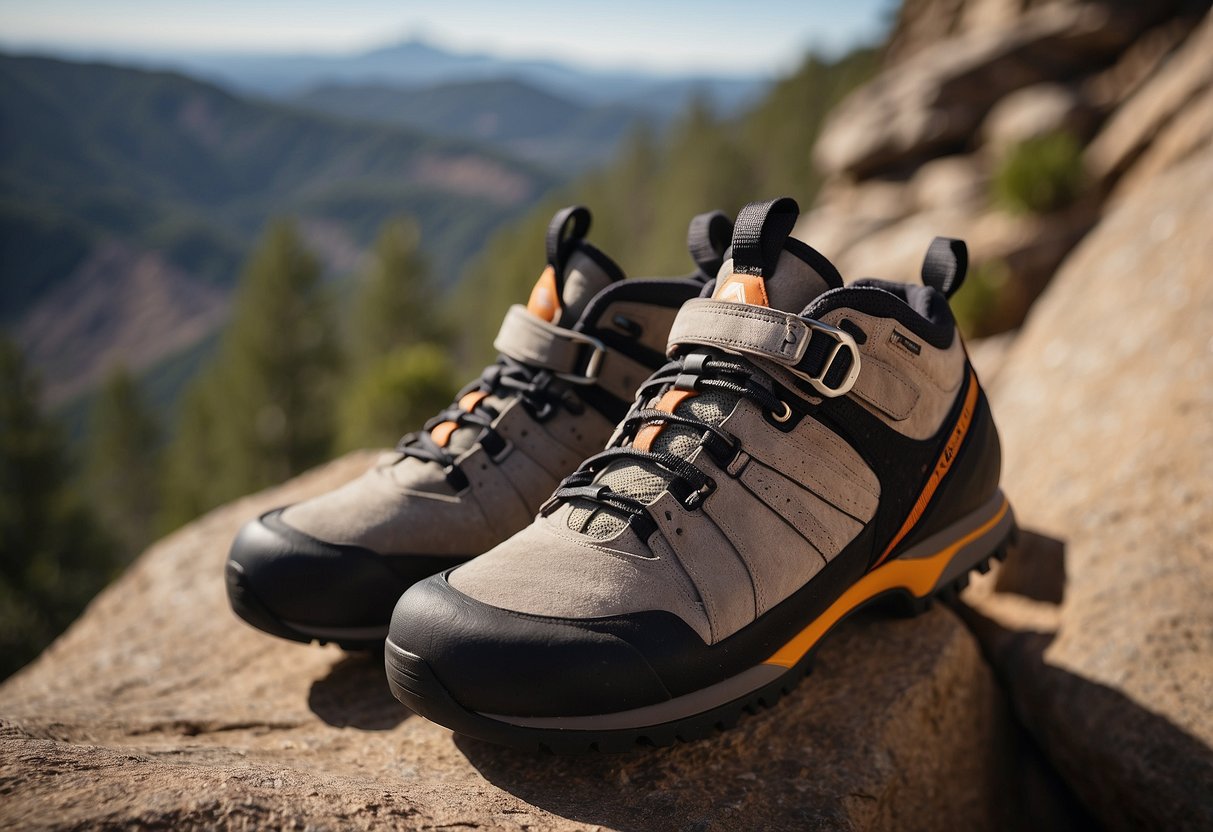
point(1040, 175)
point(54, 554)
point(396, 395)
point(976, 304)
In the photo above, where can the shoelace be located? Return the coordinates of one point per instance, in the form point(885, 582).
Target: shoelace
point(689, 484)
point(534, 386)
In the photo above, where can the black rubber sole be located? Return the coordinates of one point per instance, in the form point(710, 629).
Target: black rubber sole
point(413, 682)
point(252, 611)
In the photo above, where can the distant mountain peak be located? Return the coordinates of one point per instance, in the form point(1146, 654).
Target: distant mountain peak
point(416, 45)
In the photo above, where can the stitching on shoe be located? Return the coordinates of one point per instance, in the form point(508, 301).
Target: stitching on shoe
point(760, 590)
point(760, 477)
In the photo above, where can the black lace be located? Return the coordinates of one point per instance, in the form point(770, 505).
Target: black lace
point(534, 386)
point(688, 483)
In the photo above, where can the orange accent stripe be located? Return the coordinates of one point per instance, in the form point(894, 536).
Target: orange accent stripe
point(918, 575)
point(942, 466)
point(668, 401)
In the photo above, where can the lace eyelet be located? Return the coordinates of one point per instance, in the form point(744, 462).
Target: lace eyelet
point(785, 415)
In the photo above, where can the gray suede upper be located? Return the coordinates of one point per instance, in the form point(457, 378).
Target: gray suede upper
point(405, 505)
point(788, 503)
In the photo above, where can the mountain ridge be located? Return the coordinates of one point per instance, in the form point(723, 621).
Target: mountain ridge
point(93, 155)
point(417, 62)
point(517, 115)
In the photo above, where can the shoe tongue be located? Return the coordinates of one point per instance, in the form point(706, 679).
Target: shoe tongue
point(770, 268)
point(575, 273)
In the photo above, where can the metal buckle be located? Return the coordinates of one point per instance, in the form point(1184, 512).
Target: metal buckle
point(592, 367)
point(843, 340)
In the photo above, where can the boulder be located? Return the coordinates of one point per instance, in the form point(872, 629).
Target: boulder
point(847, 212)
point(1189, 132)
point(1178, 81)
point(1027, 248)
point(921, 24)
point(159, 708)
point(1033, 112)
point(989, 354)
point(1100, 626)
point(934, 102)
point(951, 182)
point(1110, 87)
point(895, 251)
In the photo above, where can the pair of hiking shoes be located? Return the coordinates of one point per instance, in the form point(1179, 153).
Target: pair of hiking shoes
point(781, 450)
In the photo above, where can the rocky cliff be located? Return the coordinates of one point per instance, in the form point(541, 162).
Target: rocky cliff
point(930, 146)
point(1071, 686)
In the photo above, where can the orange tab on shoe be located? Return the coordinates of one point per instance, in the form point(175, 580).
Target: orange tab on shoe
point(443, 430)
point(469, 400)
point(743, 288)
point(545, 298)
point(669, 400)
point(441, 433)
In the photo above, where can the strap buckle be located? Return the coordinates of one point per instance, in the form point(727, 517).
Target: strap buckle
point(842, 340)
point(593, 365)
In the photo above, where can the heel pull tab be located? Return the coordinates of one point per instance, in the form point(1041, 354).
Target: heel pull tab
point(759, 235)
point(567, 228)
point(945, 265)
point(708, 238)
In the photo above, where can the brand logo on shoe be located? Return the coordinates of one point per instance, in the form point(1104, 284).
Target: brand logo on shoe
point(743, 288)
point(907, 343)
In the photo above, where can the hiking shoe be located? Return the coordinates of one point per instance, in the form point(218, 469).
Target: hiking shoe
point(331, 568)
point(809, 449)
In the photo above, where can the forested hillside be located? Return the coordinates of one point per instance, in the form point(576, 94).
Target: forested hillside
point(164, 159)
point(111, 175)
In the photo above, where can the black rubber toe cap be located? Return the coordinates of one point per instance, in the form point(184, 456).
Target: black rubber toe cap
point(502, 662)
point(279, 575)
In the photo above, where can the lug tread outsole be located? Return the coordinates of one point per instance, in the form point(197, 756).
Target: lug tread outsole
point(413, 683)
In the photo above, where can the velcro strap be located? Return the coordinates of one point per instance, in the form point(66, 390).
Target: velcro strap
point(571, 355)
point(532, 340)
point(808, 348)
point(757, 330)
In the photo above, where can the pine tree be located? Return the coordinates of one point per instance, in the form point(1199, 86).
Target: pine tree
point(781, 146)
point(403, 372)
point(264, 411)
point(395, 395)
point(122, 474)
point(190, 483)
point(396, 304)
point(53, 555)
point(704, 168)
point(644, 199)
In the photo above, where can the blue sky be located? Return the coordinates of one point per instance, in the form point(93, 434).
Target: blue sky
point(728, 38)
